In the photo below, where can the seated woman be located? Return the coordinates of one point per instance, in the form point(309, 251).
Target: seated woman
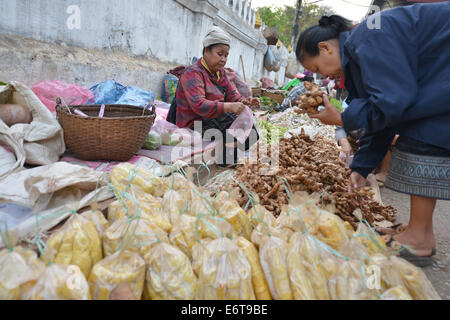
point(206, 94)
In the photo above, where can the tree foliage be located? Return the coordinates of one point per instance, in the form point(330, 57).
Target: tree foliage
point(283, 19)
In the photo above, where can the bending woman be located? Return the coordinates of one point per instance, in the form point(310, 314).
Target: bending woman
point(398, 78)
point(206, 94)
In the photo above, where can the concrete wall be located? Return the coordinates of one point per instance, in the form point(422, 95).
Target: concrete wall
point(133, 41)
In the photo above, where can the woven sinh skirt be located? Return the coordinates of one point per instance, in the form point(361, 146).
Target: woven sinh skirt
point(419, 169)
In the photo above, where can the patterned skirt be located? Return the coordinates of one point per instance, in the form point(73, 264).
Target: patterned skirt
point(419, 169)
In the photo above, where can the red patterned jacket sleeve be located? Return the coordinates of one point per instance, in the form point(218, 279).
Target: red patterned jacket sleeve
point(193, 92)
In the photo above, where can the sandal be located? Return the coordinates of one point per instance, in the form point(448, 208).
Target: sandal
point(419, 261)
point(395, 229)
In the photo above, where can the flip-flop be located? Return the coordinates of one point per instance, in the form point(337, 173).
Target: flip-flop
point(395, 229)
point(419, 261)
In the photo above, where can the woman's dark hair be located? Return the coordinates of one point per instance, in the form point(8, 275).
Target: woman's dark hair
point(328, 28)
point(209, 48)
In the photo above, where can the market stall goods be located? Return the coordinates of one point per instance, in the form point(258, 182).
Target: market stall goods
point(60, 282)
point(173, 205)
point(184, 234)
point(20, 269)
point(77, 243)
point(138, 235)
point(12, 114)
point(125, 176)
point(260, 285)
point(309, 249)
point(312, 166)
point(169, 274)
point(415, 280)
point(311, 100)
point(142, 205)
point(228, 208)
point(224, 272)
point(122, 266)
point(348, 283)
point(396, 293)
point(273, 257)
point(98, 219)
point(300, 283)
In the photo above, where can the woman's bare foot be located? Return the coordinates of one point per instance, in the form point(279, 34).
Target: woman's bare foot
point(393, 230)
point(419, 245)
point(381, 178)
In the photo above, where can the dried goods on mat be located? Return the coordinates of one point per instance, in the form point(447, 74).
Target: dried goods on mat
point(169, 274)
point(310, 101)
point(224, 272)
point(122, 266)
point(77, 243)
point(19, 270)
point(60, 282)
point(314, 167)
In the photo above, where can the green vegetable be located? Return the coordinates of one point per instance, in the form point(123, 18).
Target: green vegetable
point(152, 142)
point(274, 133)
point(337, 104)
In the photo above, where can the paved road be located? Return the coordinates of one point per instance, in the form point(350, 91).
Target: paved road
point(439, 272)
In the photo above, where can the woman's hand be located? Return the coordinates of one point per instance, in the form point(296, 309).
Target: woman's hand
point(251, 102)
point(235, 107)
point(357, 181)
point(330, 115)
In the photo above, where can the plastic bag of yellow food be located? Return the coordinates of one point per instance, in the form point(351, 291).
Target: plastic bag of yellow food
point(230, 210)
point(174, 204)
point(304, 213)
point(260, 285)
point(396, 293)
point(98, 219)
point(60, 282)
point(311, 254)
point(184, 234)
point(213, 227)
point(122, 266)
point(141, 235)
point(259, 214)
point(349, 282)
point(77, 242)
point(169, 274)
point(389, 275)
point(415, 280)
point(300, 284)
point(201, 204)
point(273, 258)
point(370, 239)
point(124, 176)
point(140, 204)
point(181, 184)
point(19, 270)
point(224, 272)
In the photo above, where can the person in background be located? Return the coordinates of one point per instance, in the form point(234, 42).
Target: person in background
point(394, 76)
point(205, 94)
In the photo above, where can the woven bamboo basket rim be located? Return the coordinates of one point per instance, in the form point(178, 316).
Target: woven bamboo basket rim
point(116, 108)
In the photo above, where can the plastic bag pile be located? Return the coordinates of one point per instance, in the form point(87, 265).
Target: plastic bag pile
point(169, 240)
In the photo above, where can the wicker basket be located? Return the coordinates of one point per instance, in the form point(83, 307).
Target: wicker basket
point(117, 136)
point(278, 97)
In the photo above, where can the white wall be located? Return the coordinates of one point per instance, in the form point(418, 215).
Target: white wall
point(156, 34)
